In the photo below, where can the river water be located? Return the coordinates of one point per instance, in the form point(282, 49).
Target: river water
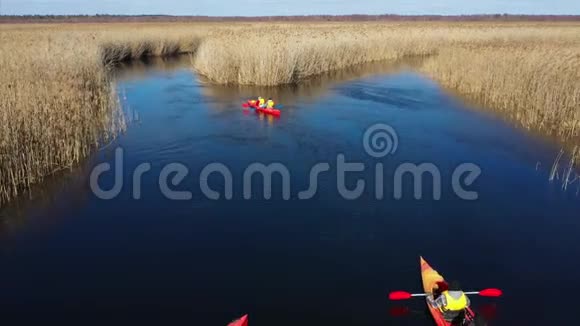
point(71, 257)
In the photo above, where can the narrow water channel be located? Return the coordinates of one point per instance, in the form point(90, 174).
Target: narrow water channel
point(69, 256)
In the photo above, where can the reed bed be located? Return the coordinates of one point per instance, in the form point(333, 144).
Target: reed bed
point(269, 55)
point(53, 111)
point(536, 85)
point(118, 51)
point(279, 55)
point(57, 99)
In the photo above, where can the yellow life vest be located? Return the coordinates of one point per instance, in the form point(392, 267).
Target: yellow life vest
point(454, 304)
point(262, 101)
point(270, 104)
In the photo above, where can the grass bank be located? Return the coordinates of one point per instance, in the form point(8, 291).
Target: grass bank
point(280, 54)
point(57, 97)
point(118, 51)
point(56, 105)
point(535, 85)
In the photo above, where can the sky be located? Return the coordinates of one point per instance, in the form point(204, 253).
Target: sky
point(287, 7)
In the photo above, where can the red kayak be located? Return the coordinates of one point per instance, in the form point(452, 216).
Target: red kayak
point(240, 322)
point(274, 112)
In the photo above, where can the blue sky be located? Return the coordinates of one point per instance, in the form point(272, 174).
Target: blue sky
point(288, 7)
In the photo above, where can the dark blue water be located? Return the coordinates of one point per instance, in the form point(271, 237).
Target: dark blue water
point(73, 258)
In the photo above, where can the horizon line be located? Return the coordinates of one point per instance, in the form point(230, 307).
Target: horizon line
point(307, 15)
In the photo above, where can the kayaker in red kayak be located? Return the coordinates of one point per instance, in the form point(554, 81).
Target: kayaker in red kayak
point(262, 107)
point(261, 102)
point(451, 301)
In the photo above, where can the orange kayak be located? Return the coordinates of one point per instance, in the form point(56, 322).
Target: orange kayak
point(430, 278)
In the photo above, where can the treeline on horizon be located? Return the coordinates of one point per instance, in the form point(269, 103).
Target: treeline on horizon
point(310, 18)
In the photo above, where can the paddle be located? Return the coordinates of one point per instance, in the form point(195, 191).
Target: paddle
point(402, 295)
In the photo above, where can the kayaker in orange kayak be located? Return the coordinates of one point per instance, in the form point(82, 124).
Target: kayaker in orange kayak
point(450, 300)
point(270, 104)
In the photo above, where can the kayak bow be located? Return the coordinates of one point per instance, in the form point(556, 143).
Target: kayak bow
point(240, 322)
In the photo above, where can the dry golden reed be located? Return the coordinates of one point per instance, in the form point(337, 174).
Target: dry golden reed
point(57, 100)
point(269, 55)
point(115, 52)
point(535, 85)
point(274, 54)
